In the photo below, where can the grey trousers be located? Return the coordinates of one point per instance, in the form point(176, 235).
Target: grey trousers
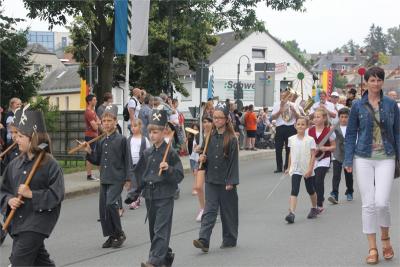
point(227, 201)
point(110, 195)
point(160, 213)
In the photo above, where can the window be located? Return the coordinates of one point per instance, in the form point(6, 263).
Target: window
point(57, 101)
point(258, 53)
point(63, 42)
point(48, 68)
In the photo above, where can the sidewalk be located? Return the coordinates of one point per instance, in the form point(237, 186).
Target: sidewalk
point(77, 185)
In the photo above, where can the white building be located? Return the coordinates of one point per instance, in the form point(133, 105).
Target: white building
point(260, 48)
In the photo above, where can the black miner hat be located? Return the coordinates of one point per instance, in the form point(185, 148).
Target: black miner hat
point(30, 121)
point(159, 117)
point(223, 107)
point(16, 117)
point(111, 109)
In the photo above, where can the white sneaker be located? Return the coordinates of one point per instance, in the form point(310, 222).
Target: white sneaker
point(198, 218)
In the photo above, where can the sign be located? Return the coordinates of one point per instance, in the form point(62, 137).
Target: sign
point(264, 89)
point(224, 88)
point(204, 84)
point(281, 67)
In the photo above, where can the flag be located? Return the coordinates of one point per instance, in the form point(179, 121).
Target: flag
point(84, 93)
point(210, 92)
point(140, 27)
point(121, 26)
point(131, 21)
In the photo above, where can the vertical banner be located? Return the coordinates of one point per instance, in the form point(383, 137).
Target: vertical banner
point(140, 27)
point(210, 92)
point(84, 93)
point(329, 87)
point(324, 80)
point(121, 26)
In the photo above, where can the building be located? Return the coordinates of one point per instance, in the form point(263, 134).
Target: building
point(42, 59)
point(338, 63)
point(54, 42)
point(223, 62)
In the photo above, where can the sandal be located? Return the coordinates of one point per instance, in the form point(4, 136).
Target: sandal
point(372, 258)
point(387, 252)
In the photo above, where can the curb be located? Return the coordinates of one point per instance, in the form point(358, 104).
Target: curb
point(85, 190)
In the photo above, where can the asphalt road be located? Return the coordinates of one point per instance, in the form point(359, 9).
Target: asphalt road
point(333, 239)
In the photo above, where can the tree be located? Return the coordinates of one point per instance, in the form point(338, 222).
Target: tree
point(375, 43)
point(339, 81)
point(193, 24)
point(15, 80)
point(393, 39)
point(295, 50)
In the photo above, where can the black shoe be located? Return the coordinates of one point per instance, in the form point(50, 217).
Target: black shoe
point(117, 242)
point(290, 217)
point(3, 234)
point(333, 199)
point(277, 171)
point(224, 246)
point(201, 244)
point(108, 243)
point(313, 213)
point(177, 193)
point(128, 200)
point(169, 259)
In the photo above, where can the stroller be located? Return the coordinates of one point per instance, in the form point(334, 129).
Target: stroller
point(264, 139)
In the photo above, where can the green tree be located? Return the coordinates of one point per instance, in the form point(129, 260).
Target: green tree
point(15, 80)
point(393, 39)
point(295, 50)
point(339, 81)
point(375, 43)
point(194, 23)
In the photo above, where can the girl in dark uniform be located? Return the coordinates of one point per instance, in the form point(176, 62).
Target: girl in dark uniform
point(222, 177)
point(37, 213)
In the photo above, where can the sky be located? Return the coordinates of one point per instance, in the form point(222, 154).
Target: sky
point(324, 26)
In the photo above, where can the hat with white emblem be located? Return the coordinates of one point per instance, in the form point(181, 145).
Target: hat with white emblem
point(29, 121)
point(158, 117)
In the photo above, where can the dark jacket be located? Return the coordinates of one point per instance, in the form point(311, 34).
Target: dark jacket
point(40, 213)
point(114, 159)
point(339, 150)
point(146, 173)
point(221, 169)
point(358, 140)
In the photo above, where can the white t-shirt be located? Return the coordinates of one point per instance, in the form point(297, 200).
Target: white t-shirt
point(329, 106)
point(336, 107)
point(300, 153)
point(279, 120)
point(136, 142)
point(194, 156)
point(174, 118)
point(133, 103)
point(325, 162)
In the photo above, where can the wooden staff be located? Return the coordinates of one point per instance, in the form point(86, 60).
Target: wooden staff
point(28, 180)
point(166, 151)
point(8, 150)
point(82, 145)
point(205, 147)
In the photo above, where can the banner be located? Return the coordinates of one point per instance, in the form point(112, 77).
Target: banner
point(140, 27)
point(84, 93)
point(210, 92)
point(121, 26)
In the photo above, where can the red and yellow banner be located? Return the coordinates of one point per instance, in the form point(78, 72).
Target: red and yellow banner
point(327, 81)
point(84, 93)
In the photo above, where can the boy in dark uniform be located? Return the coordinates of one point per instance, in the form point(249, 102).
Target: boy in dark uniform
point(222, 177)
point(37, 214)
point(159, 191)
point(114, 159)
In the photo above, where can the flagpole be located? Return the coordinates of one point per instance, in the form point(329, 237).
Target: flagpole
point(126, 91)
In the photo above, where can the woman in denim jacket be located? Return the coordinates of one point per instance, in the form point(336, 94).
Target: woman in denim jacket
point(374, 152)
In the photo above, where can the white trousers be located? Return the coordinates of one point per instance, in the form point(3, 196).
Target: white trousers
point(375, 180)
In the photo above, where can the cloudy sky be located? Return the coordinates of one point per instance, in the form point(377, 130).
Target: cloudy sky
point(325, 25)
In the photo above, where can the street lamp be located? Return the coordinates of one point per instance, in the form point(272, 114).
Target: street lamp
point(239, 89)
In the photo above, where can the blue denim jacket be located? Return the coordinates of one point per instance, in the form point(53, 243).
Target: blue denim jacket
point(358, 140)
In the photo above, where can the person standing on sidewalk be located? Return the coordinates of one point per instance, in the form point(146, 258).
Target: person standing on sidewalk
point(338, 157)
point(301, 164)
point(114, 159)
point(222, 178)
point(92, 123)
point(372, 146)
point(285, 115)
point(250, 121)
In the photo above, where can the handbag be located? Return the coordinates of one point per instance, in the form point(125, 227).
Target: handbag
point(383, 132)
